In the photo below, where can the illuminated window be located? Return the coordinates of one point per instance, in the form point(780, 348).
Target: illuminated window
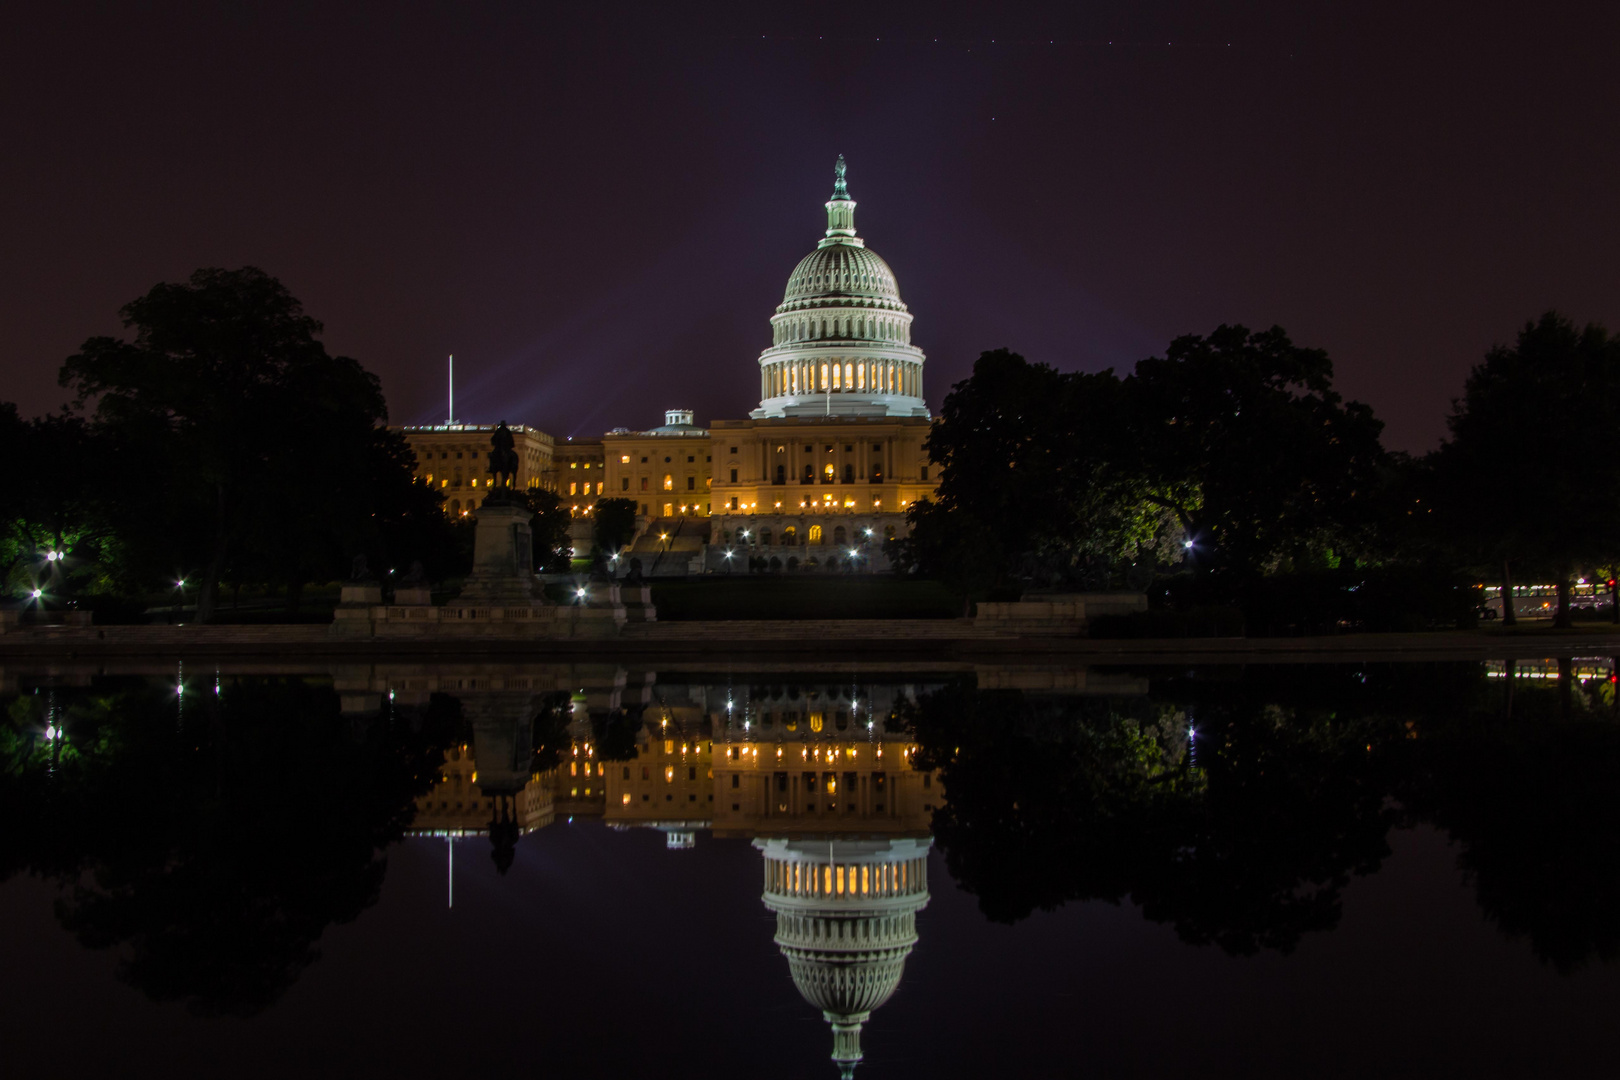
point(669, 774)
point(571, 464)
point(627, 798)
point(573, 489)
point(815, 538)
point(669, 482)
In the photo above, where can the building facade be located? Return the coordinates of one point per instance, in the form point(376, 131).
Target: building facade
point(816, 477)
point(833, 456)
point(453, 459)
point(666, 471)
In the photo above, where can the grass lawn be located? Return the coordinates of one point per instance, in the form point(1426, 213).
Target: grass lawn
point(803, 596)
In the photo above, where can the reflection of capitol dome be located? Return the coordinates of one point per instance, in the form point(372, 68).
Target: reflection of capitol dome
point(846, 919)
point(841, 338)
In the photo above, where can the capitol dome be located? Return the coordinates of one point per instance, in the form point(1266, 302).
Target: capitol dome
point(841, 338)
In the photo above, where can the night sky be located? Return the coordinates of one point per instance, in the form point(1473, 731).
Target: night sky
point(596, 210)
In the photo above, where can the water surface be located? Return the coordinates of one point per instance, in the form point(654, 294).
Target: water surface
point(418, 869)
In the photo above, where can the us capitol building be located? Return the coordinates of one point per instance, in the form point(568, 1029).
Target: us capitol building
point(816, 477)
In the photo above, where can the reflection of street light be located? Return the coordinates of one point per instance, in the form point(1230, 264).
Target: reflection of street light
point(179, 597)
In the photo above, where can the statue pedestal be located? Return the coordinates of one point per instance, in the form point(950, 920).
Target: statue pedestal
point(360, 594)
point(638, 603)
point(503, 557)
point(413, 596)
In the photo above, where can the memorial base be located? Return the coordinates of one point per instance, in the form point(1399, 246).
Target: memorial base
point(503, 558)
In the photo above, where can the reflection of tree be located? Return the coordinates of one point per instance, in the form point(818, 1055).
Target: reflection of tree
point(1244, 837)
point(614, 733)
point(213, 838)
point(1293, 805)
point(1532, 803)
point(1048, 799)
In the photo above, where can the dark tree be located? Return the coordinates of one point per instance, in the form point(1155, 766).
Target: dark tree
point(235, 437)
point(614, 523)
point(1247, 442)
point(1034, 480)
point(550, 525)
point(53, 522)
point(1530, 476)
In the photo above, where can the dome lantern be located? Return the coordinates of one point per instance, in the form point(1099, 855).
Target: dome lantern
point(841, 211)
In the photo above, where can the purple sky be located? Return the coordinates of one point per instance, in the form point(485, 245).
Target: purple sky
point(597, 212)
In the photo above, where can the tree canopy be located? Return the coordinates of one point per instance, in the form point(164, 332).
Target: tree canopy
point(1530, 474)
point(230, 442)
point(1233, 450)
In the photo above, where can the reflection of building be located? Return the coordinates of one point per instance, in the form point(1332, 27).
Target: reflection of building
point(493, 778)
point(842, 820)
point(670, 783)
point(846, 919)
point(458, 806)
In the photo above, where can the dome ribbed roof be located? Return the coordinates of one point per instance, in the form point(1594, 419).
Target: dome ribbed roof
point(842, 270)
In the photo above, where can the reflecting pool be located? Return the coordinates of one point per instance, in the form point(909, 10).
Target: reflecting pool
point(816, 870)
